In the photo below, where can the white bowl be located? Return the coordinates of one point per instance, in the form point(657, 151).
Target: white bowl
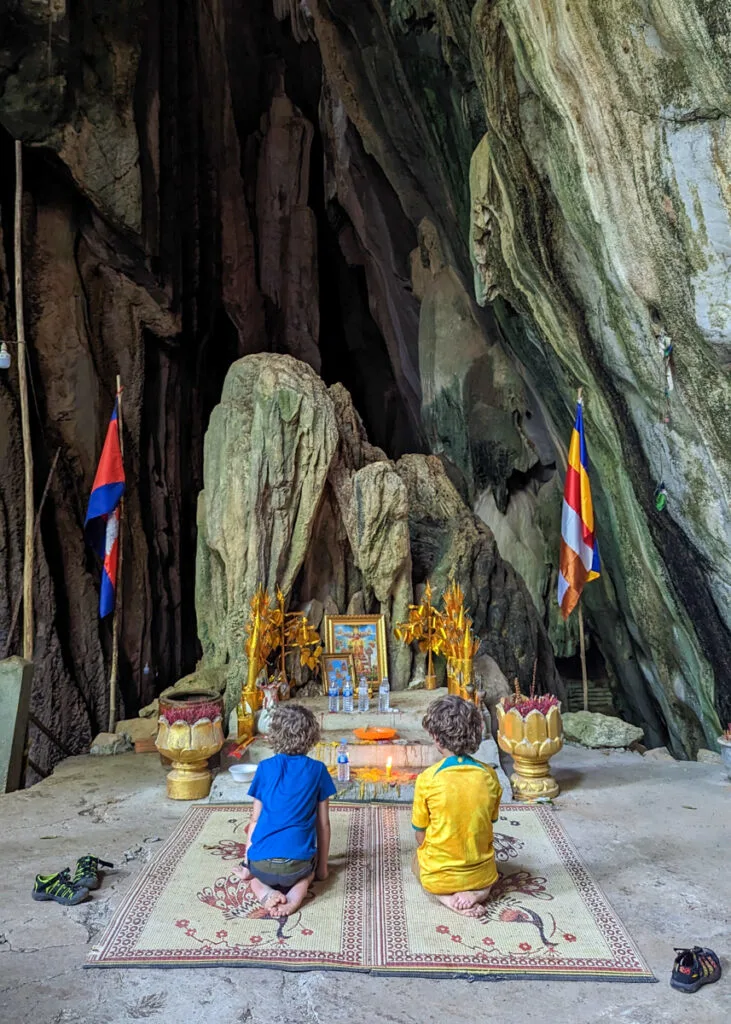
point(242, 772)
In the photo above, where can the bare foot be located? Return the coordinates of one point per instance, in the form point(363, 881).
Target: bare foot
point(474, 910)
point(465, 900)
point(270, 899)
point(242, 872)
point(295, 899)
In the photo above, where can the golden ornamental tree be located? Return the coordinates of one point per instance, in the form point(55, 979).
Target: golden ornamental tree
point(271, 628)
point(447, 632)
point(422, 627)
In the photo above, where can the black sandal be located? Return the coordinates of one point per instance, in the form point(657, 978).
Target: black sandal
point(693, 968)
point(59, 888)
point(87, 871)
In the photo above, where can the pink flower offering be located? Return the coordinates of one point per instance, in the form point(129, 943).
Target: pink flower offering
point(524, 705)
point(191, 715)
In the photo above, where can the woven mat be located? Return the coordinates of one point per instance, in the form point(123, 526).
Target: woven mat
point(548, 919)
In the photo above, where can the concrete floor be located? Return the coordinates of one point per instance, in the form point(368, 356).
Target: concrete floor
point(655, 835)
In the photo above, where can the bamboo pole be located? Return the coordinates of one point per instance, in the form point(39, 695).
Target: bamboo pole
point(118, 595)
point(28, 550)
point(582, 653)
point(19, 600)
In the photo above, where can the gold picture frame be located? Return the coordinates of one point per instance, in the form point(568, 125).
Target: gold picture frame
point(336, 665)
point(362, 636)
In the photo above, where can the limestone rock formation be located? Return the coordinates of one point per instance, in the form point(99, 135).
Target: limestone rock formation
point(295, 495)
point(595, 730)
point(268, 449)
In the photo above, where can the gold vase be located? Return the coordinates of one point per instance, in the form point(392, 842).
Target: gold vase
point(531, 742)
point(190, 730)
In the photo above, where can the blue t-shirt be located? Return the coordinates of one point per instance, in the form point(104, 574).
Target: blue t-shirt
point(289, 787)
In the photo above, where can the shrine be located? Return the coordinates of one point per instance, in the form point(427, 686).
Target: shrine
point(365, 531)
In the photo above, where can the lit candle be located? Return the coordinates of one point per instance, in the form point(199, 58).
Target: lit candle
point(389, 764)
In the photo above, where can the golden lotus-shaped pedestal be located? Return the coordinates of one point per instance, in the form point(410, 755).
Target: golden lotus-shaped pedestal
point(190, 730)
point(531, 742)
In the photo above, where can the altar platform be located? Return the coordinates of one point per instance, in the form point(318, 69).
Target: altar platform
point(410, 752)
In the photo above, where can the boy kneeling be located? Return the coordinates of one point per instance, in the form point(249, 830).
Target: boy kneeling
point(289, 834)
point(456, 802)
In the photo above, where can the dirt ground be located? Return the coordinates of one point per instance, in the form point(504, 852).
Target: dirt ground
point(655, 836)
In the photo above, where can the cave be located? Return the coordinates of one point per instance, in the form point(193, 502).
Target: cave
point(401, 196)
point(407, 319)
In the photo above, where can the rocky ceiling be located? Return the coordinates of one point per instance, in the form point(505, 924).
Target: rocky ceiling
point(460, 211)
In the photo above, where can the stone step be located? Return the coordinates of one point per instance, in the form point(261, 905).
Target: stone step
point(368, 781)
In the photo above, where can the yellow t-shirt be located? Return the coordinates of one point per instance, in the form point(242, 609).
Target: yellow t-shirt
point(455, 803)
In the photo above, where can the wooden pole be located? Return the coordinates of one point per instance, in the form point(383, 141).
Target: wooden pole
point(582, 653)
point(118, 595)
point(28, 551)
point(19, 601)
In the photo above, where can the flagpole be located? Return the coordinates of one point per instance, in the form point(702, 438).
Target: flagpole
point(118, 589)
point(29, 546)
point(582, 653)
point(582, 643)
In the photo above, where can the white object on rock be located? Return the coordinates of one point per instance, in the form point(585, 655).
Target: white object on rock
point(111, 743)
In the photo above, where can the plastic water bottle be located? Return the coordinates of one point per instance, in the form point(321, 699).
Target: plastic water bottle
point(348, 698)
point(343, 762)
point(333, 695)
point(364, 701)
point(384, 696)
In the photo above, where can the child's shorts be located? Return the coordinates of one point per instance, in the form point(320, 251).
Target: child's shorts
point(281, 873)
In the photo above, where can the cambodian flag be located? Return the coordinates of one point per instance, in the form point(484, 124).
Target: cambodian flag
point(102, 516)
point(579, 559)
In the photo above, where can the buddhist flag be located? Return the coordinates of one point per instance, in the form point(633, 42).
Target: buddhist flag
point(102, 516)
point(579, 559)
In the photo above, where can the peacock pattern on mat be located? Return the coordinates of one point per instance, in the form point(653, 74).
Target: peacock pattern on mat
point(234, 899)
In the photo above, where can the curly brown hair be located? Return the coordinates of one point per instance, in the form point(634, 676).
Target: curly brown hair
point(294, 729)
point(455, 724)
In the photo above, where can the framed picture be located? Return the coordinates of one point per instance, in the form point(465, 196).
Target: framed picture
point(362, 636)
point(338, 669)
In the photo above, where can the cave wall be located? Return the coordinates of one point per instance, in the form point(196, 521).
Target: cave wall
point(577, 156)
point(459, 211)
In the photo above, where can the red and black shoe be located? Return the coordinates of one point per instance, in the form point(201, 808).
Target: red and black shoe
point(693, 968)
